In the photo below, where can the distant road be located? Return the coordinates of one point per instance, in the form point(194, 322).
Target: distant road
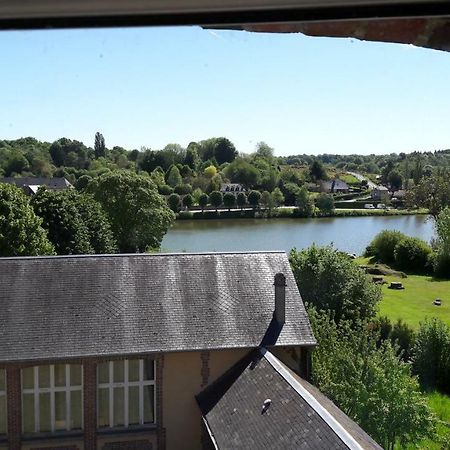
point(370, 184)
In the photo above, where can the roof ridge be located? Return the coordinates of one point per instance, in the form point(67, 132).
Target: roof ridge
point(128, 255)
point(326, 416)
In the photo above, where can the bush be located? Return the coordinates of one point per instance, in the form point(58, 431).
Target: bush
point(431, 355)
point(383, 245)
point(165, 189)
point(183, 189)
point(441, 264)
point(412, 254)
point(174, 202)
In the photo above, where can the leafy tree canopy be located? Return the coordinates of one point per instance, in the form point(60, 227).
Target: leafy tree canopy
point(139, 215)
point(330, 281)
point(21, 233)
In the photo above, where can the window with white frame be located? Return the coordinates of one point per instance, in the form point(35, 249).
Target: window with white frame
point(52, 398)
point(3, 421)
point(126, 393)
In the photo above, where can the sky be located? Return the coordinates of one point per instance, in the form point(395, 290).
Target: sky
point(147, 87)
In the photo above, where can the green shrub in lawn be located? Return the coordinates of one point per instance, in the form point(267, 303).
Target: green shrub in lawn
point(383, 245)
point(431, 355)
point(412, 254)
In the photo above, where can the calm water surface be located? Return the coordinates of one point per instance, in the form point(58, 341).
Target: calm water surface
point(351, 234)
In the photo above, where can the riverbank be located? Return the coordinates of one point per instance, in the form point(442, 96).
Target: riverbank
point(292, 213)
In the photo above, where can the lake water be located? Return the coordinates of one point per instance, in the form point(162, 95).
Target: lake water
point(351, 234)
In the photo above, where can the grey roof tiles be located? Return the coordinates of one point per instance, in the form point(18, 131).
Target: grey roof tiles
point(80, 306)
point(298, 415)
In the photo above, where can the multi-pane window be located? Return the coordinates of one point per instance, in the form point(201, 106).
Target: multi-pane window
point(52, 398)
point(3, 422)
point(126, 393)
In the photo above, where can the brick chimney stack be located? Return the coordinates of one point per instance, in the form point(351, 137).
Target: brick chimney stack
point(280, 298)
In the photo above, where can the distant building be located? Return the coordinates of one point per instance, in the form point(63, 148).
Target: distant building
point(334, 186)
point(30, 185)
point(380, 193)
point(232, 187)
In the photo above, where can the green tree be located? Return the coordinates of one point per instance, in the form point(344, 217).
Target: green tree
point(242, 172)
point(100, 234)
point(412, 254)
point(216, 199)
point(325, 203)
point(174, 201)
point(192, 159)
point(203, 201)
point(267, 200)
point(63, 221)
point(278, 197)
point(330, 281)
point(139, 216)
point(317, 171)
point(99, 145)
point(383, 245)
point(210, 171)
point(229, 200)
point(431, 355)
point(173, 177)
point(432, 193)
point(305, 206)
point(254, 197)
point(395, 180)
point(188, 200)
point(21, 233)
point(241, 199)
point(224, 150)
point(364, 380)
point(442, 244)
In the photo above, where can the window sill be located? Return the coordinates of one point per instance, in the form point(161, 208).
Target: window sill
point(135, 429)
point(59, 435)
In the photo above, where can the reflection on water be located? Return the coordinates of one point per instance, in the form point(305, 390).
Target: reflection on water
point(351, 234)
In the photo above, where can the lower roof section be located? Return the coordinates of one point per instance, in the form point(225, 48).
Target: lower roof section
point(260, 403)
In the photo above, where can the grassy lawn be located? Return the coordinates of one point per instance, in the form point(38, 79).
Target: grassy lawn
point(415, 302)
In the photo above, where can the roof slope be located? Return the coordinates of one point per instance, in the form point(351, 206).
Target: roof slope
point(74, 306)
point(299, 416)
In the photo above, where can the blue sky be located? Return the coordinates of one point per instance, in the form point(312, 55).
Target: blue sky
point(152, 86)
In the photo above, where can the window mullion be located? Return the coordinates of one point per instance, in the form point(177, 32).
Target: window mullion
point(52, 398)
point(125, 393)
point(111, 394)
point(141, 391)
point(37, 424)
point(68, 396)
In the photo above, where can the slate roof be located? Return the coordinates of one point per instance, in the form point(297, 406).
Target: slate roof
point(299, 415)
point(75, 306)
point(51, 183)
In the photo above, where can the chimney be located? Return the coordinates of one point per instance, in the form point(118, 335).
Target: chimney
point(280, 298)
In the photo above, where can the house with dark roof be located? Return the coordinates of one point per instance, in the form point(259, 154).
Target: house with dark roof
point(334, 186)
point(159, 351)
point(231, 187)
point(30, 185)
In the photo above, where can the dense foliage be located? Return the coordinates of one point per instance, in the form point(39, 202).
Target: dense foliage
point(383, 246)
point(21, 233)
point(330, 281)
point(412, 254)
point(139, 215)
point(76, 223)
point(431, 355)
point(370, 383)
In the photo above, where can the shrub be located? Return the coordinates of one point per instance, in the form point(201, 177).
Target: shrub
point(165, 189)
point(254, 197)
point(203, 201)
point(229, 200)
point(431, 355)
point(183, 189)
point(241, 199)
point(188, 200)
point(412, 254)
point(383, 245)
point(403, 336)
point(174, 202)
point(216, 199)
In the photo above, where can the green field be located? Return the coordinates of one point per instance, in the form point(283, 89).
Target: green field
point(415, 302)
